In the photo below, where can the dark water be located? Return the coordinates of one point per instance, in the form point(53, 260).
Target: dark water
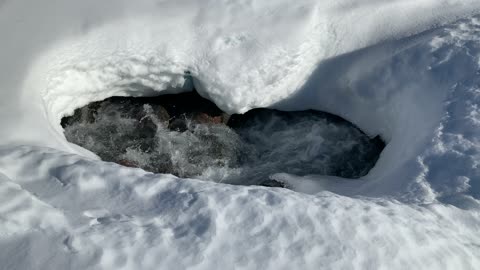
point(189, 136)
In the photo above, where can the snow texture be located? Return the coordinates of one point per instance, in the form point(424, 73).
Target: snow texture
point(406, 70)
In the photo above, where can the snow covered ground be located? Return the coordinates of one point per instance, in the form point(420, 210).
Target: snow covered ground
point(407, 70)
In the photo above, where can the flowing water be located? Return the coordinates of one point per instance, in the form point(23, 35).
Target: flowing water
point(188, 136)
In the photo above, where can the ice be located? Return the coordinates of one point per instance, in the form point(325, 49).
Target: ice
point(405, 70)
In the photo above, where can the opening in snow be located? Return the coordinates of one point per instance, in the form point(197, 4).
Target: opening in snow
point(188, 136)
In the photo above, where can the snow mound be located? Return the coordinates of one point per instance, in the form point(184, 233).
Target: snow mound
point(401, 69)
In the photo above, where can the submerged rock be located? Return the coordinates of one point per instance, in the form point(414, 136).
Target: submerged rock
point(272, 183)
point(127, 163)
point(179, 124)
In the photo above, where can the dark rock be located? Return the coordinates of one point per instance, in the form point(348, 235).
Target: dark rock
point(161, 114)
point(127, 163)
point(272, 183)
point(147, 128)
point(84, 115)
point(159, 163)
point(178, 124)
point(225, 118)
point(203, 118)
point(150, 118)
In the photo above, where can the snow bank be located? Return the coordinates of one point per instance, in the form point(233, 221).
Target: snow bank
point(400, 69)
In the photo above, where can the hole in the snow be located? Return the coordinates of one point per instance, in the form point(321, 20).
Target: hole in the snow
point(188, 136)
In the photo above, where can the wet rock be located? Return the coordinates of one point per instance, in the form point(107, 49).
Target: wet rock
point(203, 118)
point(85, 114)
point(127, 163)
point(178, 124)
point(159, 163)
point(147, 127)
point(225, 118)
point(162, 115)
point(150, 118)
point(156, 112)
point(272, 183)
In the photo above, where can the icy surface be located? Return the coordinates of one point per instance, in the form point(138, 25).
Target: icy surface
point(407, 70)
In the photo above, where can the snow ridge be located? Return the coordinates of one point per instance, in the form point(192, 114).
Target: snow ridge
point(401, 69)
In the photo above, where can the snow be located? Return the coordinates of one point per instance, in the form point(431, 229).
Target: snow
point(407, 70)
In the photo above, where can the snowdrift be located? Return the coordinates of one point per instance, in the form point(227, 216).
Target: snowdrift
point(405, 70)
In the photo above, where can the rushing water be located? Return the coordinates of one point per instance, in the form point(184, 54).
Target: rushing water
point(189, 137)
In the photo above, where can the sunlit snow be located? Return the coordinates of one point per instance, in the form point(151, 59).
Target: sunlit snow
point(405, 70)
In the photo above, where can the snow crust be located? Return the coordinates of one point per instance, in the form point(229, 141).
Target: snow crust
point(407, 70)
